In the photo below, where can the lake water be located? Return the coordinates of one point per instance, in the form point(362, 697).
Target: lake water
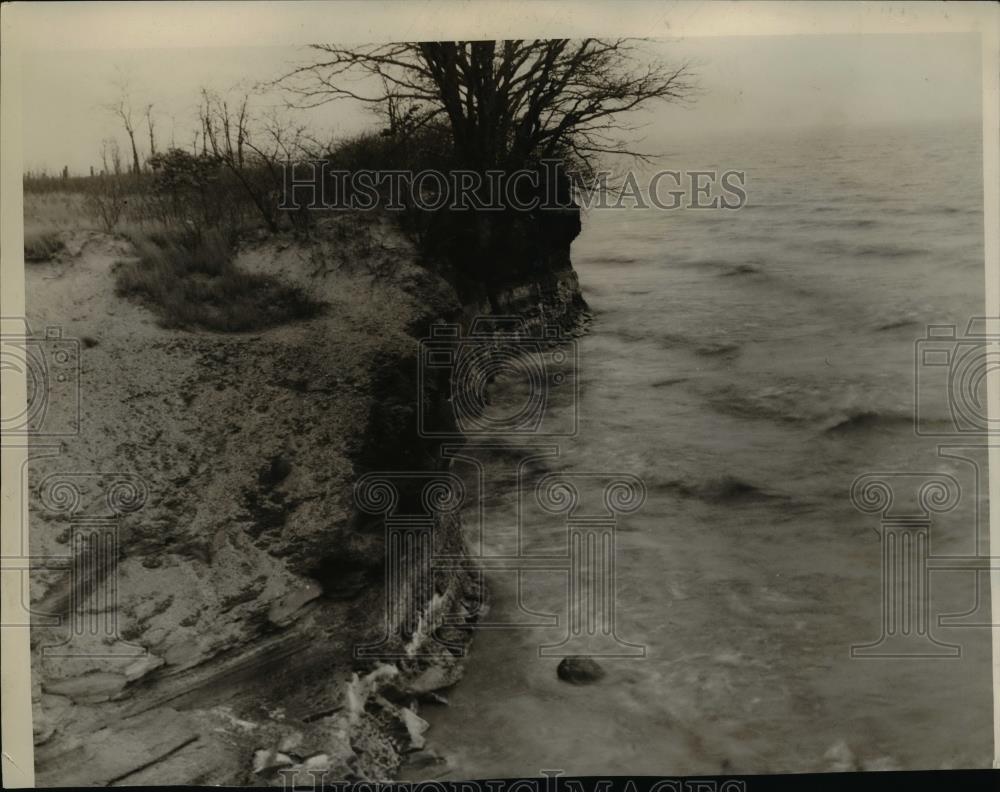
point(748, 366)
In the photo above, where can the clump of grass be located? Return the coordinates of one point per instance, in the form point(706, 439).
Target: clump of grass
point(41, 245)
point(193, 283)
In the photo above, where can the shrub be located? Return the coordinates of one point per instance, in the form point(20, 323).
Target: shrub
point(193, 283)
point(41, 245)
point(197, 191)
point(106, 200)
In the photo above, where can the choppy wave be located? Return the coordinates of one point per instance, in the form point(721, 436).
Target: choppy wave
point(785, 402)
point(725, 266)
point(851, 223)
point(898, 324)
point(725, 489)
point(867, 421)
point(834, 408)
point(665, 383)
point(740, 269)
point(840, 247)
point(616, 260)
point(700, 346)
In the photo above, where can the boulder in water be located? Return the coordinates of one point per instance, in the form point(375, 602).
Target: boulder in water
point(579, 670)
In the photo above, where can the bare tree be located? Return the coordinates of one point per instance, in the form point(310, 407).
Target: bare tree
point(107, 199)
point(507, 103)
point(252, 147)
point(122, 108)
point(111, 156)
point(151, 126)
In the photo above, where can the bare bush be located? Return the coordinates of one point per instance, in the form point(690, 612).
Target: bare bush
point(106, 200)
point(254, 149)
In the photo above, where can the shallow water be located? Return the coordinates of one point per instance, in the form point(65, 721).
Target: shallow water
point(747, 366)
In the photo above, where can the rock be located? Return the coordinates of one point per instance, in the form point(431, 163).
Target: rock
point(264, 760)
point(317, 763)
point(282, 612)
point(142, 666)
point(89, 688)
point(435, 676)
point(184, 654)
point(48, 714)
point(579, 670)
point(122, 749)
point(290, 741)
point(334, 739)
point(208, 762)
point(225, 714)
point(42, 727)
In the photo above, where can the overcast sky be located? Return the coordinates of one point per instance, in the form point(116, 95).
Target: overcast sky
point(747, 83)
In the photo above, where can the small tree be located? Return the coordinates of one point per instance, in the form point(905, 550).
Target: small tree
point(111, 156)
point(106, 198)
point(184, 185)
point(121, 107)
point(150, 125)
point(253, 148)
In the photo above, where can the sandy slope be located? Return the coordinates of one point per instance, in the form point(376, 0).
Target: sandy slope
point(244, 578)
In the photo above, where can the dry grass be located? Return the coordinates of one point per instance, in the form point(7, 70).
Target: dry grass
point(189, 282)
point(195, 284)
point(62, 211)
point(46, 216)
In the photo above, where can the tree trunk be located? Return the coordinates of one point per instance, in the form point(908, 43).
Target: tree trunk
point(135, 152)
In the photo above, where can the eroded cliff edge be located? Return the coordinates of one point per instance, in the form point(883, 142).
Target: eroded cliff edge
point(226, 465)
